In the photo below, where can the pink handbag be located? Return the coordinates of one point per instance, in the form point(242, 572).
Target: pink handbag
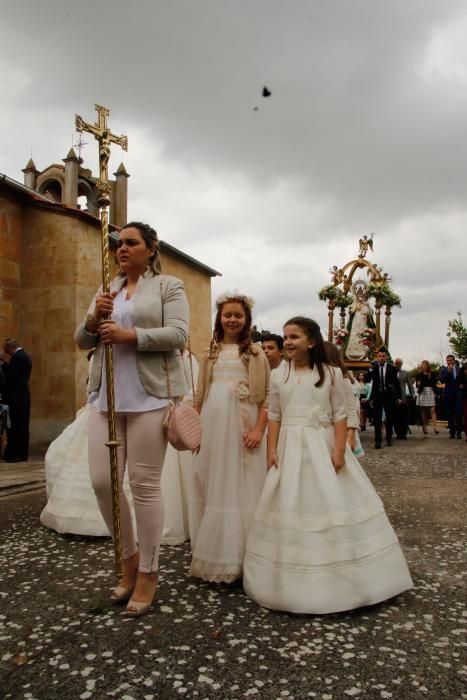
point(182, 423)
point(183, 427)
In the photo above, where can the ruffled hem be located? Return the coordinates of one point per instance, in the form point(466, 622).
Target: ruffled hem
point(215, 573)
point(173, 541)
point(77, 524)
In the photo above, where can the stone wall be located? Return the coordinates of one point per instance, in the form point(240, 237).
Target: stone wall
point(198, 291)
point(60, 267)
point(10, 264)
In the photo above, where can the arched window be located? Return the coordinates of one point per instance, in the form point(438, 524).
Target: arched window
point(52, 189)
point(87, 200)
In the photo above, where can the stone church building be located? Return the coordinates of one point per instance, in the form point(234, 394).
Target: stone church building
point(50, 267)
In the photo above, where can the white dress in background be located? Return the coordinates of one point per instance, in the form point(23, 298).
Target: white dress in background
point(71, 506)
point(227, 478)
point(320, 541)
point(176, 475)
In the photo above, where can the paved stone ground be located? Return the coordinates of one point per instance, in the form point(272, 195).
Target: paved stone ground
point(59, 638)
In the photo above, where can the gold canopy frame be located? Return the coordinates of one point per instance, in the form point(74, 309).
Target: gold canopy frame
point(338, 296)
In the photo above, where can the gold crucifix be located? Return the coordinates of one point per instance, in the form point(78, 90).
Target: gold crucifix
point(104, 136)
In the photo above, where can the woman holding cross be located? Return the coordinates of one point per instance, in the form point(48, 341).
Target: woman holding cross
point(144, 317)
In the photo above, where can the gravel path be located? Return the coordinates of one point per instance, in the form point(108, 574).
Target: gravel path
point(60, 639)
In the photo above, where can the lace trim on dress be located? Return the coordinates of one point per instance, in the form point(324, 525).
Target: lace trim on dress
point(215, 573)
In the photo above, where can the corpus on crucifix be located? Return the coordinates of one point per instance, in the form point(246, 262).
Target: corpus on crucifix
point(105, 138)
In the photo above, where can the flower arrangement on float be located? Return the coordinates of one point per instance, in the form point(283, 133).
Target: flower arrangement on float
point(387, 295)
point(329, 291)
point(340, 335)
point(368, 338)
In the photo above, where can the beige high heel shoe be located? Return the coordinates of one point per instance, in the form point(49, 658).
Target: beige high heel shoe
point(136, 608)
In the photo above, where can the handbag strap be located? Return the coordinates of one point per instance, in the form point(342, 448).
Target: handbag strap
point(166, 364)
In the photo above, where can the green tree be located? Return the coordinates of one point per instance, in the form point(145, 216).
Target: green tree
point(457, 335)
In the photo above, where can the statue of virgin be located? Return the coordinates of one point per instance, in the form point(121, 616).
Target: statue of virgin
point(360, 318)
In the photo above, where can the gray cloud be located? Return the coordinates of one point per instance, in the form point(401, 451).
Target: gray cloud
point(364, 131)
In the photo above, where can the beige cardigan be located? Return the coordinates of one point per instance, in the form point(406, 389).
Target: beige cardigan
point(154, 340)
point(258, 376)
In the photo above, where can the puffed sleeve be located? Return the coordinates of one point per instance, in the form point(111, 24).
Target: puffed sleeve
point(274, 405)
point(337, 395)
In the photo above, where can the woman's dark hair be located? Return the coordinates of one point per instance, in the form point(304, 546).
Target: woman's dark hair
point(149, 236)
point(364, 376)
point(334, 357)
point(244, 339)
point(316, 354)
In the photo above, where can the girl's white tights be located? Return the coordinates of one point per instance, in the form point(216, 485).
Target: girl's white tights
point(142, 449)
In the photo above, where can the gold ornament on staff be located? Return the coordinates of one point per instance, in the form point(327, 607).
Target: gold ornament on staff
point(105, 137)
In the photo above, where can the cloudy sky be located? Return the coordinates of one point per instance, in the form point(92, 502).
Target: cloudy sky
point(365, 131)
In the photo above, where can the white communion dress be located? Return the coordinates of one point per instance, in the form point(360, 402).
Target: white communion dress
point(320, 541)
point(71, 504)
point(227, 477)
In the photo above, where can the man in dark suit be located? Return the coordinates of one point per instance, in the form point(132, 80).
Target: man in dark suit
point(449, 376)
point(385, 394)
point(16, 395)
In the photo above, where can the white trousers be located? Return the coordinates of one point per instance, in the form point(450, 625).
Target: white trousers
point(142, 449)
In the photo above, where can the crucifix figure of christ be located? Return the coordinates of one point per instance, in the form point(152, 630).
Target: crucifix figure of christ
point(105, 138)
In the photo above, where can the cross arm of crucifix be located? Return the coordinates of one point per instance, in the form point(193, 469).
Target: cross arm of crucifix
point(100, 133)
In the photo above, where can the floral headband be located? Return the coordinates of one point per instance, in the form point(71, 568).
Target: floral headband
point(234, 296)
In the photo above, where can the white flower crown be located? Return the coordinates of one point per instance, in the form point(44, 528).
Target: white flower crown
point(234, 296)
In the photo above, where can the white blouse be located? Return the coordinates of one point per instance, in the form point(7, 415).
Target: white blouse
point(130, 396)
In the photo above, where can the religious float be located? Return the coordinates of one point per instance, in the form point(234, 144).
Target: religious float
point(358, 292)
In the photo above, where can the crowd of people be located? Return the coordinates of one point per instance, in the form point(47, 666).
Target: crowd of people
point(397, 400)
point(275, 495)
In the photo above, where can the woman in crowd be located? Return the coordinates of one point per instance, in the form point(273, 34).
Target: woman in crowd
point(229, 471)
point(364, 391)
point(426, 396)
point(145, 318)
point(320, 541)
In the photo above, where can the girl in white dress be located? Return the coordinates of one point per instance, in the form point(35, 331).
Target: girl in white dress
point(320, 541)
point(230, 468)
